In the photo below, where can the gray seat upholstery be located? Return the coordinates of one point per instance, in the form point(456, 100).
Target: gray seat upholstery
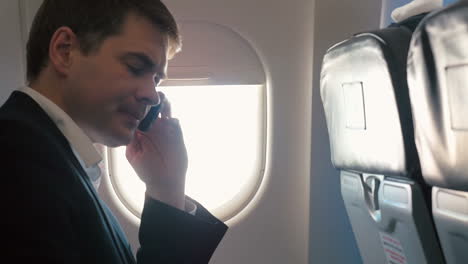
point(438, 83)
point(366, 102)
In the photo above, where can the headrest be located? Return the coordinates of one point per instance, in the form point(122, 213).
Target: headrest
point(438, 83)
point(366, 102)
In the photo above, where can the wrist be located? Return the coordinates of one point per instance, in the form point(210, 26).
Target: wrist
point(173, 198)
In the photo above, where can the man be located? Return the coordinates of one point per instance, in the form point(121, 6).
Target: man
point(92, 70)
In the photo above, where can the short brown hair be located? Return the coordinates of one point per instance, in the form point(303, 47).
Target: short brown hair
point(92, 21)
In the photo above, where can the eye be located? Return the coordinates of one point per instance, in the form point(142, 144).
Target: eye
point(136, 71)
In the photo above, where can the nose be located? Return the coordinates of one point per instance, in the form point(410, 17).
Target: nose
point(147, 93)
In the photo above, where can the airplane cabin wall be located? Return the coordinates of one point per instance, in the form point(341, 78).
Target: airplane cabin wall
point(331, 237)
point(12, 68)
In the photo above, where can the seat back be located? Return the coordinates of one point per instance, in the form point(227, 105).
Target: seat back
point(366, 102)
point(438, 82)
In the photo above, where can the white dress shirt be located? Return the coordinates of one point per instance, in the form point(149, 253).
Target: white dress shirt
point(81, 144)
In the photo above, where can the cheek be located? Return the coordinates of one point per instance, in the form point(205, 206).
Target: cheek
point(104, 86)
point(101, 86)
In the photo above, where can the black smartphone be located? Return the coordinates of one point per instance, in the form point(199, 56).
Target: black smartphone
point(150, 117)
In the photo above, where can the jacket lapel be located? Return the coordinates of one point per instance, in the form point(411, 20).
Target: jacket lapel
point(20, 106)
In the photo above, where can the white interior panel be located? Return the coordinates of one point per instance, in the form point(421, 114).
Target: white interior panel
point(12, 70)
point(213, 54)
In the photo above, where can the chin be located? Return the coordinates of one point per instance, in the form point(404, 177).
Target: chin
point(118, 139)
point(115, 134)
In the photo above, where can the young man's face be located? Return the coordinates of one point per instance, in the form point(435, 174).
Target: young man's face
point(109, 91)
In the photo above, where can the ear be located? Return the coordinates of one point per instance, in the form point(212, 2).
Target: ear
point(61, 47)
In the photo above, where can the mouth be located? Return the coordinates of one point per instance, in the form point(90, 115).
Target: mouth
point(133, 113)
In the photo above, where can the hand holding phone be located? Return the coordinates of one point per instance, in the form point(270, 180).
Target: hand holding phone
point(159, 156)
point(150, 118)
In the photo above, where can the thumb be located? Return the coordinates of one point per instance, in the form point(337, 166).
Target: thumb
point(134, 147)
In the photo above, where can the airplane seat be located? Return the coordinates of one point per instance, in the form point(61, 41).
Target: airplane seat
point(366, 102)
point(438, 84)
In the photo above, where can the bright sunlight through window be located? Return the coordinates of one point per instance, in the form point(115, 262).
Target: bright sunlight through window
point(224, 133)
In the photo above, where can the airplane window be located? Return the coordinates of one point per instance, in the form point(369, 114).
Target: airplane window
point(224, 134)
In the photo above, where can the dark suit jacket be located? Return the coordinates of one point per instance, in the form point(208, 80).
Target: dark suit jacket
point(53, 214)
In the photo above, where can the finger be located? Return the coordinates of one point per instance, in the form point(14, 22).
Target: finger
point(165, 128)
point(133, 147)
point(166, 111)
point(162, 97)
point(162, 100)
point(174, 129)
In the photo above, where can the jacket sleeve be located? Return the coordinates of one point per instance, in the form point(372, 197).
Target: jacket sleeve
point(169, 235)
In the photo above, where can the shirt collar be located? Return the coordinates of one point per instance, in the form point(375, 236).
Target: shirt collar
point(80, 142)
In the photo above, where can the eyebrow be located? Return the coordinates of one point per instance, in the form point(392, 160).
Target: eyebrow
point(148, 63)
